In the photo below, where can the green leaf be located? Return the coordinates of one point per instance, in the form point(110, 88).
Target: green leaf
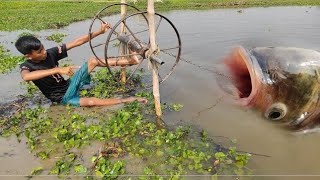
point(80, 169)
point(93, 159)
point(220, 155)
point(99, 174)
point(176, 106)
point(43, 155)
point(159, 153)
point(37, 170)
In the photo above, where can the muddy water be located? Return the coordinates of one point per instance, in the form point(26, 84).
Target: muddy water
point(207, 36)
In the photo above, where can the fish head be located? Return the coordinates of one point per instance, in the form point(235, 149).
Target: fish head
point(280, 82)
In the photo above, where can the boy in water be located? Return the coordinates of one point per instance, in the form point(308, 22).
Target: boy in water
point(43, 69)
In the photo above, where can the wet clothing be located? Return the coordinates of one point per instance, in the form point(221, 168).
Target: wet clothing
point(78, 80)
point(55, 87)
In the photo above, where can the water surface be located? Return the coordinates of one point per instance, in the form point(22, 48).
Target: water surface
point(207, 36)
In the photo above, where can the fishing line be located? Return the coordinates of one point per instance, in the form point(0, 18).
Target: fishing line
point(202, 68)
point(206, 69)
point(199, 66)
point(208, 108)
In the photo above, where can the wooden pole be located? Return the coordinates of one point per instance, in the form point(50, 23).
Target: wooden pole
point(123, 47)
point(153, 47)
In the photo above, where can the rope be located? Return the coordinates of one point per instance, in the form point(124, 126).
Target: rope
point(220, 99)
point(199, 66)
point(155, 52)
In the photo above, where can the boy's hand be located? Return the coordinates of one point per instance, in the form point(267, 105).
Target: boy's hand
point(105, 27)
point(69, 70)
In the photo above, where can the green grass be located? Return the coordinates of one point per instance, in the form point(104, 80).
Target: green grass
point(42, 14)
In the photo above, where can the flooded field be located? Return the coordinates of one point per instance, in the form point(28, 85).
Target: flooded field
point(207, 36)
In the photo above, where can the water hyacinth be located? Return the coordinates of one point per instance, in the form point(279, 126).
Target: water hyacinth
point(7, 61)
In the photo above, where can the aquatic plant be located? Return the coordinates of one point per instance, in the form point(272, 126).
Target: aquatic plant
point(56, 37)
point(126, 132)
point(105, 86)
point(30, 87)
point(7, 61)
point(26, 33)
point(122, 134)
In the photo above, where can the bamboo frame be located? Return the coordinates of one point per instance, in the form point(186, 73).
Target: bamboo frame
point(123, 47)
point(153, 47)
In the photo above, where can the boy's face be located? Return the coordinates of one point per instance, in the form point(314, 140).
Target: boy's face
point(37, 55)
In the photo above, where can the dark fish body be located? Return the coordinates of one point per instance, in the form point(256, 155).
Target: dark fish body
point(281, 82)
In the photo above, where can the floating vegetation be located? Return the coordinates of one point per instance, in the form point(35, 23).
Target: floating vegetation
point(36, 171)
point(7, 61)
point(125, 133)
point(26, 34)
point(30, 87)
point(104, 85)
point(56, 37)
point(176, 106)
point(117, 136)
point(65, 62)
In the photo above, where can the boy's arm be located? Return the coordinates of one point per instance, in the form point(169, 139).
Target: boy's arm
point(35, 75)
point(85, 38)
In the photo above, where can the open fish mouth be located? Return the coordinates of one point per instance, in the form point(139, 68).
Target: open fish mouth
point(245, 75)
point(280, 82)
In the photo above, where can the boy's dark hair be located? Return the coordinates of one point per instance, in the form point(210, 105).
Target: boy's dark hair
point(26, 44)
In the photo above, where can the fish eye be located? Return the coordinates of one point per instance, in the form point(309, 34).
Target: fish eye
point(276, 111)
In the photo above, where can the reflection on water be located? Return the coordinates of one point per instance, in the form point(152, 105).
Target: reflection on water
point(207, 36)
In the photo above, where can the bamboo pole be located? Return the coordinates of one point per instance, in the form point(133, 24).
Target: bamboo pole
point(153, 47)
point(123, 47)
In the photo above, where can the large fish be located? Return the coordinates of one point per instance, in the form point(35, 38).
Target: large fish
point(281, 82)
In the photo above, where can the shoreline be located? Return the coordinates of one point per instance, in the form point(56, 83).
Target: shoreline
point(36, 15)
